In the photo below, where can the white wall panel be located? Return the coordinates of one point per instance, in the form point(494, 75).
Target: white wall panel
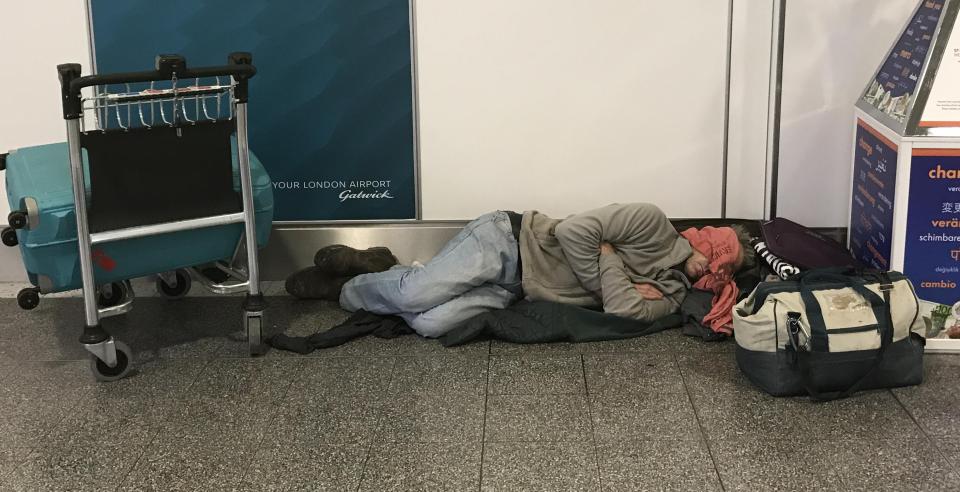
point(563, 105)
point(749, 95)
point(831, 50)
point(37, 35)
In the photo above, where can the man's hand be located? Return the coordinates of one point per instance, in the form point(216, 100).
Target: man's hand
point(648, 291)
point(606, 248)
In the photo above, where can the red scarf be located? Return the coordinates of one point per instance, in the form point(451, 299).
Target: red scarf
point(722, 248)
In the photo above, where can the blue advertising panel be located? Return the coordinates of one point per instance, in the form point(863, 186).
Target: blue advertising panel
point(874, 181)
point(932, 255)
point(331, 108)
point(897, 79)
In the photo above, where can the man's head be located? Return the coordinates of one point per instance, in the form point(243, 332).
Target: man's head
point(716, 250)
point(696, 265)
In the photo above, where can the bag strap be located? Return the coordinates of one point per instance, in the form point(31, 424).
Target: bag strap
point(819, 339)
point(886, 339)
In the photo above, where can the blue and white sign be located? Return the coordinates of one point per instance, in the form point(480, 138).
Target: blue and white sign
point(893, 89)
point(932, 255)
point(331, 107)
point(874, 181)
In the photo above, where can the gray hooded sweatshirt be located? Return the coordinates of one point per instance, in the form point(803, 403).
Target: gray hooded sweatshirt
point(562, 261)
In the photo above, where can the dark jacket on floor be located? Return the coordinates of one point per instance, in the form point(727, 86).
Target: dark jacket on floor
point(544, 321)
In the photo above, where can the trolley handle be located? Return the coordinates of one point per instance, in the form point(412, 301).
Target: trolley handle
point(167, 67)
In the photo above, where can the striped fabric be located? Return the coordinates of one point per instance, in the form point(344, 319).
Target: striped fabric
point(783, 269)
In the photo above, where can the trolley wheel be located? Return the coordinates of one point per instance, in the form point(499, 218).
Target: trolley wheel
point(253, 325)
point(10, 237)
point(103, 372)
point(117, 292)
point(17, 219)
point(28, 298)
point(178, 291)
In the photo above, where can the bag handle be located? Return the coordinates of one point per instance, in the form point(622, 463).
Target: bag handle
point(886, 339)
point(819, 340)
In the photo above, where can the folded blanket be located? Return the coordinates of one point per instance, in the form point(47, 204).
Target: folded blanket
point(543, 321)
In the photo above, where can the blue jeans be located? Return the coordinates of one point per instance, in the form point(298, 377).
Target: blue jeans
point(478, 270)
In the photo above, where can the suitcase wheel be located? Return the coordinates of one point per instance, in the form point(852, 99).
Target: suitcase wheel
point(10, 237)
point(28, 298)
point(109, 296)
point(17, 219)
point(103, 372)
point(177, 291)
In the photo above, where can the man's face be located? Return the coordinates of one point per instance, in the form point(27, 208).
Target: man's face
point(696, 265)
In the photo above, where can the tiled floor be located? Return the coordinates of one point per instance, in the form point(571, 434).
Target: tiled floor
point(663, 412)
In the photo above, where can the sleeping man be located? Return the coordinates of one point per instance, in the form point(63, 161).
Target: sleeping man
point(626, 258)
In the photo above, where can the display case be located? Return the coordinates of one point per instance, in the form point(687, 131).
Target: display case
point(905, 196)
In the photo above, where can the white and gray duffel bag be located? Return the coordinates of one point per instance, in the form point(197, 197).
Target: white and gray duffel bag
point(829, 333)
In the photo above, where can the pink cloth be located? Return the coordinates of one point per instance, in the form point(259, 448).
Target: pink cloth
point(722, 248)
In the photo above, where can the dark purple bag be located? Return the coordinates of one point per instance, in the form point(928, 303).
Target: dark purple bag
point(803, 247)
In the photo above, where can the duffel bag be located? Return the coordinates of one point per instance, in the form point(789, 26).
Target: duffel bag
point(829, 333)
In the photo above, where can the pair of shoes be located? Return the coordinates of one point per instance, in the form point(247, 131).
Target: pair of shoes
point(343, 261)
point(335, 266)
point(315, 283)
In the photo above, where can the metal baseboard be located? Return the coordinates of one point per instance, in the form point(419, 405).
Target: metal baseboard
point(293, 247)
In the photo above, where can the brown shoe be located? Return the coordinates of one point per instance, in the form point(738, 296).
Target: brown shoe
point(343, 261)
point(314, 283)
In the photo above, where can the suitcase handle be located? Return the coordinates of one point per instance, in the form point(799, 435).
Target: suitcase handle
point(239, 67)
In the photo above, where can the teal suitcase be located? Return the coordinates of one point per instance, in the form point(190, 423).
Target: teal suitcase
point(38, 180)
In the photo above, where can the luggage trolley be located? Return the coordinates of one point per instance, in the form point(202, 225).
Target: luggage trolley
point(158, 162)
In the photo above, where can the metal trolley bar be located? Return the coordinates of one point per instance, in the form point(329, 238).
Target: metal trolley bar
point(168, 68)
point(152, 230)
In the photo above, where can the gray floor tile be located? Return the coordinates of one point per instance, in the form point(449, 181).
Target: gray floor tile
point(28, 381)
point(506, 348)
point(710, 374)
point(657, 465)
point(211, 416)
point(782, 465)
point(440, 375)
point(536, 374)
point(73, 468)
point(901, 465)
point(320, 467)
point(29, 423)
point(417, 345)
point(644, 372)
point(871, 415)
point(419, 417)
point(264, 380)
point(949, 447)
point(643, 415)
point(363, 347)
point(344, 376)
point(211, 460)
point(936, 403)
point(422, 466)
point(150, 380)
point(10, 460)
point(537, 418)
point(307, 419)
point(111, 422)
point(540, 466)
point(657, 342)
point(186, 328)
point(719, 390)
